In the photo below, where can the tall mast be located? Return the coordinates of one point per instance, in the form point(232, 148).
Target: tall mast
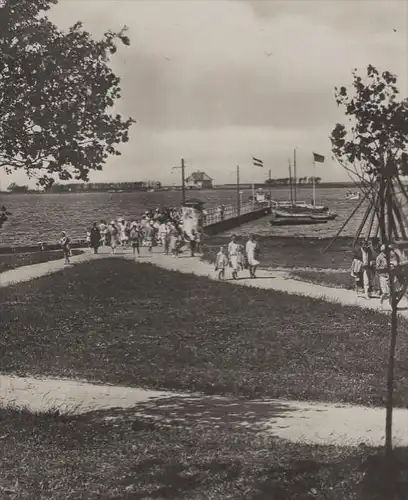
point(290, 181)
point(294, 175)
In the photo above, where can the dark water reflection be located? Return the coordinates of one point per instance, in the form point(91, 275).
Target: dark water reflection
point(42, 217)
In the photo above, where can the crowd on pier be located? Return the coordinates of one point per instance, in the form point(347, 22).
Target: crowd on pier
point(164, 228)
point(159, 227)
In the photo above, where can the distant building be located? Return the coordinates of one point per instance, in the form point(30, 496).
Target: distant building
point(200, 180)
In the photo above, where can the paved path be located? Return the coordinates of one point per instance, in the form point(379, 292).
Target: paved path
point(295, 421)
point(28, 273)
point(273, 280)
point(305, 422)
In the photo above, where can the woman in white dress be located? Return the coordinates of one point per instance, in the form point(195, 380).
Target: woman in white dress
point(251, 250)
point(233, 256)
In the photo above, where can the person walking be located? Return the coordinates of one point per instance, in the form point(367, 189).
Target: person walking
point(233, 256)
point(367, 262)
point(383, 272)
point(123, 238)
point(356, 271)
point(192, 242)
point(135, 237)
point(114, 236)
point(167, 237)
point(221, 262)
point(65, 243)
point(95, 238)
point(174, 241)
point(103, 229)
point(198, 239)
point(252, 250)
point(162, 233)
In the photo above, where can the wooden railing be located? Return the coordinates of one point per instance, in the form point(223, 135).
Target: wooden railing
point(214, 215)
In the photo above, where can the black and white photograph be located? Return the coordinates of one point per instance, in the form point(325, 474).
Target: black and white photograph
point(203, 249)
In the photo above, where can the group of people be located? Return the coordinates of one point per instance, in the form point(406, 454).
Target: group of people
point(371, 272)
point(160, 227)
point(237, 258)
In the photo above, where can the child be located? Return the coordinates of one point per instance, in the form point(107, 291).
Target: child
point(65, 245)
point(221, 262)
point(357, 271)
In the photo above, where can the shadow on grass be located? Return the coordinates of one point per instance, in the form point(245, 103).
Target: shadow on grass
point(264, 468)
point(185, 448)
point(220, 412)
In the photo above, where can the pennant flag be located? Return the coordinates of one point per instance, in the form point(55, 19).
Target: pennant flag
point(256, 162)
point(318, 158)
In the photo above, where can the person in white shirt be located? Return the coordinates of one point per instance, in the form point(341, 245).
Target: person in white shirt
point(233, 256)
point(251, 250)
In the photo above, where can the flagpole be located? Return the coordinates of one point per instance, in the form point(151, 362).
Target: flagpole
point(313, 181)
point(294, 175)
point(290, 182)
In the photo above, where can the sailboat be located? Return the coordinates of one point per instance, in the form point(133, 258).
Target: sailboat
point(294, 212)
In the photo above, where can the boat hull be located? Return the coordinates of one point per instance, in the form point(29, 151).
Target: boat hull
point(291, 219)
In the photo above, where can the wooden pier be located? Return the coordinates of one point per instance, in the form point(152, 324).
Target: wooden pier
point(216, 221)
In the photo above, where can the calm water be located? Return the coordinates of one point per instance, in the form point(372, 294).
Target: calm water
point(42, 217)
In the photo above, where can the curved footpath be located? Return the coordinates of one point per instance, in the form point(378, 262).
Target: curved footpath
point(298, 422)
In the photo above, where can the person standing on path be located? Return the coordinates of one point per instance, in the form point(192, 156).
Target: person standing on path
point(149, 236)
point(135, 237)
point(95, 238)
point(233, 256)
point(367, 261)
point(198, 240)
point(65, 245)
point(252, 250)
point(357, 271)
point(114, 236)
point(192, 242)
point(383, 274)
point(174, 240)
point(166, 240)
point(221, 262)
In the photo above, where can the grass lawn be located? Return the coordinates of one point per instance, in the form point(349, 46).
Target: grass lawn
point(337, 279)
point(14, 260)
point(116, 455)
point(292, 252)
point(120, 322)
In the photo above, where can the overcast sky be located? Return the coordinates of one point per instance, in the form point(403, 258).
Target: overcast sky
point(217, 81)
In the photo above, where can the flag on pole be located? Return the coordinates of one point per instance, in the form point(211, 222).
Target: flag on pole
point(318, 158)
point(256, 162)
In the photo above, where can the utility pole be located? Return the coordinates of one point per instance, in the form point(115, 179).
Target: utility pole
point(183, 182)
point(238, 194)
point(290, 183)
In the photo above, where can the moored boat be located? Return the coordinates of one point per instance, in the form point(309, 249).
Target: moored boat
point(352, 196)
point(286, 218)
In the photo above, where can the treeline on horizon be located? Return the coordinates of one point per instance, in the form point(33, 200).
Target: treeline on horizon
point(144, 186)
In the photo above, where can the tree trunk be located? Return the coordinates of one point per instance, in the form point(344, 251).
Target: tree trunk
point(394, 329)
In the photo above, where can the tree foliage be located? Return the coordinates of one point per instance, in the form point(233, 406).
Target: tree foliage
point(377, 128)
point(57, 95)
point(373, 146)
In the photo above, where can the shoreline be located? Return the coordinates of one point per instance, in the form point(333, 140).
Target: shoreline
point(210, 241)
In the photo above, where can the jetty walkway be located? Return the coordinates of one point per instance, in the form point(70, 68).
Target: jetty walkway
point(315, 423)
point(214, 222)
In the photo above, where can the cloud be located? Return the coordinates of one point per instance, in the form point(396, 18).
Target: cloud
point(198, 79)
